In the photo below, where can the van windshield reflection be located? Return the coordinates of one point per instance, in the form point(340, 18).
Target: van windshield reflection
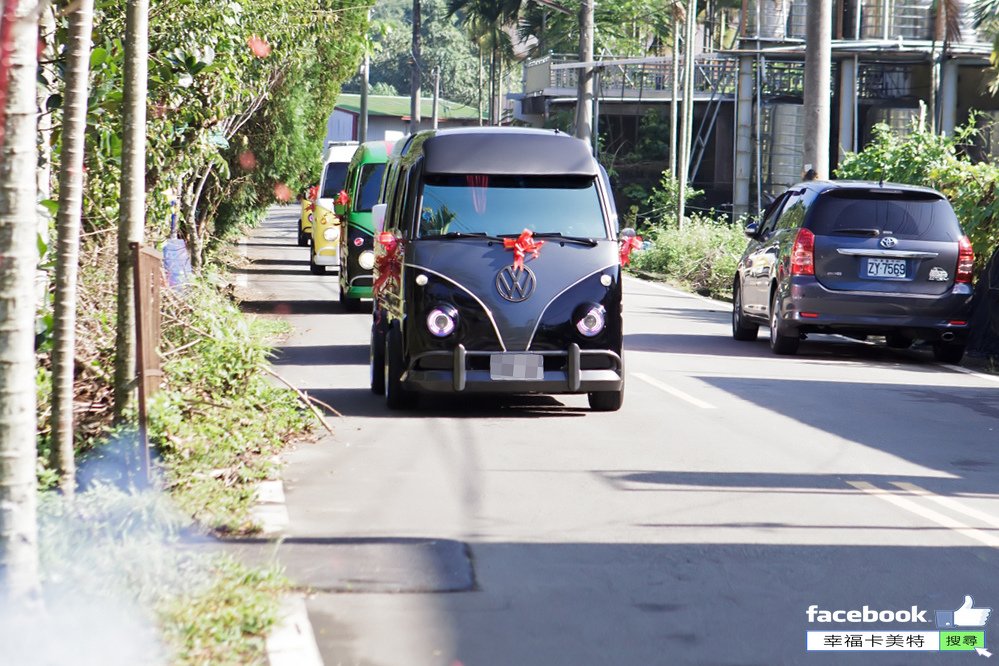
point(455, 205)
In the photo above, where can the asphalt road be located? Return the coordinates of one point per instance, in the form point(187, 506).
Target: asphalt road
point(733, 490)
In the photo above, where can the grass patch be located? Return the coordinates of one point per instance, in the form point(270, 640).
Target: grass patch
point(702, 257)
point(116, 571)
point(219, 421)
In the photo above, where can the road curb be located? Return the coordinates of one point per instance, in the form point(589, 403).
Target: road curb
point(292, 642)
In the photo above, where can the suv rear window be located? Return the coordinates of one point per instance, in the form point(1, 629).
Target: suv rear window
point(904, 214)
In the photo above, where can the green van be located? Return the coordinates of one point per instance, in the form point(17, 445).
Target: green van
point(357, 258)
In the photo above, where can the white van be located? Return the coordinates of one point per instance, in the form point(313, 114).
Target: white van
point(326, 223)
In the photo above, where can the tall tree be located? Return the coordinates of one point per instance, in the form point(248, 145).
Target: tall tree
point(18, 258)
point(132, 207)
point(74, 128)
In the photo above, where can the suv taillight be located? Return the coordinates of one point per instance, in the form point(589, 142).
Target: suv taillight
point(965, 261)
point(803, 253)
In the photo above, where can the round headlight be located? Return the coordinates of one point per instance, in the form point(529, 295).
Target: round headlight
point(331, 234)
point(310, 217)
point(442, 320)
point(366, 260)
point(591, 323)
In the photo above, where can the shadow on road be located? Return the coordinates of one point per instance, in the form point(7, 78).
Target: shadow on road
point(291, 307)
point(362, 402)
point(321, 355)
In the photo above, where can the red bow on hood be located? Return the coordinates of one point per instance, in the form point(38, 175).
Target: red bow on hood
point(342, 198)
point(523, 245)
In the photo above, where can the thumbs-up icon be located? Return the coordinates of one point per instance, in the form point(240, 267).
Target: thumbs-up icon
point(965, 616)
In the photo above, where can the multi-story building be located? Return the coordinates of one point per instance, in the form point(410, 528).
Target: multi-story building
point(748, 112)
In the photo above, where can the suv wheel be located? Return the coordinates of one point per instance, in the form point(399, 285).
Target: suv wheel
point(303, 239)
point(948, 352)
point(783, 341)
point(741, 330)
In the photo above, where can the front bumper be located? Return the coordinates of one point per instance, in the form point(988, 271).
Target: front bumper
point(463, 375)
point(810, 307)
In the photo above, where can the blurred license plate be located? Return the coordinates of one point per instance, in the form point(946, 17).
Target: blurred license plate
point(516, 367)
point(886, 268)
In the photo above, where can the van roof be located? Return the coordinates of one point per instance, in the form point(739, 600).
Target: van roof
point(506, 151)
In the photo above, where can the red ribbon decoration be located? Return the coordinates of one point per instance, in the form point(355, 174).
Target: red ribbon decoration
point(523, 245)
point(313, 193)
point(628, 245)
point(342, 198)
point(389, 265)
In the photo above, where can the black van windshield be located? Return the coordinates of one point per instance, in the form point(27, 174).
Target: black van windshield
point(334, 180)
point(506, 205)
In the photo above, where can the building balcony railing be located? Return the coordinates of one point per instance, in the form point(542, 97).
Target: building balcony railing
point(629, 77)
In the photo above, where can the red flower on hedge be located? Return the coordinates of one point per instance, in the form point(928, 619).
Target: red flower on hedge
point(259, 46)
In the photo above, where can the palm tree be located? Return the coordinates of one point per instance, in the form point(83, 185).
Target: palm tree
point(132, 213)
point(18, 257)
point(74, 128)
point(485, 20)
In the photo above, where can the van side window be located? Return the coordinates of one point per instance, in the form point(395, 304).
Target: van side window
point(412, 200)
point(396, 197)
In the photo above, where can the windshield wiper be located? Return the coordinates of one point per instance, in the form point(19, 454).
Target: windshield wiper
point(464, 234)
point(589, 242)
point(858, 232)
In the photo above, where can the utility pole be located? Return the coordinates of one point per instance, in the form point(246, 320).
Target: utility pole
point(437, 91)
point(362, 122)
point(414, 102)
point(584, 89)
point(675, 90)
point(688, 111)
point(818, 64)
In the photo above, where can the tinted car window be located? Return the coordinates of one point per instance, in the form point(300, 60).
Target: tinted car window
point(793, 214)
point(500, 205)
point(911, 215)
point(334, 180)
point(371, 180)
point(770, 215)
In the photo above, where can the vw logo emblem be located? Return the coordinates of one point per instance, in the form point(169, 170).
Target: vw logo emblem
point(515, 285)
point(889, 242)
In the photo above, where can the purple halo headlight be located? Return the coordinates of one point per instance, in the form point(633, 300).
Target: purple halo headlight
point(442, 320)
point(592, 322)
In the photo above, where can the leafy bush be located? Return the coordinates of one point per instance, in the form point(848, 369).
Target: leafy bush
point(219, 421)
point(702, 257)
point(923, 158)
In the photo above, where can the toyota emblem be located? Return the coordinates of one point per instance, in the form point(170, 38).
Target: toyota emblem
point(515, 285)
point(889, 242)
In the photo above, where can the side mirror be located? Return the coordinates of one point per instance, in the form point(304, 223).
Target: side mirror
point(378, 217)
point(752, 229)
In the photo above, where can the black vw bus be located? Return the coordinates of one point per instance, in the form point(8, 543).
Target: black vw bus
point(497, 269)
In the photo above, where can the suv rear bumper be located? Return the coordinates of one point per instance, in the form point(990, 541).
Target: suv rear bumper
point(461, 378)
point(810, 307)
